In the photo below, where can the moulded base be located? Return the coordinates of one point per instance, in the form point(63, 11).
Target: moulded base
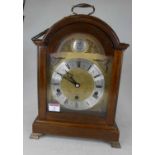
point(107, 133)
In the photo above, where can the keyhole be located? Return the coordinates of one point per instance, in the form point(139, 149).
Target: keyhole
point(76, 97)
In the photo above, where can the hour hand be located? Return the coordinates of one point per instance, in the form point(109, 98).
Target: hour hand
point(70, 78)
point(69, 75)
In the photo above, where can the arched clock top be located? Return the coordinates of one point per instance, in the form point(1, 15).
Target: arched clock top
point(82, 23)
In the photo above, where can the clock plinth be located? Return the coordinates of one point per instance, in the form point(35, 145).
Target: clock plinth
point(101, 132)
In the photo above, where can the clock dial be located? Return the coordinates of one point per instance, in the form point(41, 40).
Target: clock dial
point(77, 84)
point(79, 45)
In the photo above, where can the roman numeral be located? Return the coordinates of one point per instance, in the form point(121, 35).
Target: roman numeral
point(99, 86)
point(67, 65)
point(78, 64)
point(96, 76)
point(89, 67)
point(76, 104)
point(58, 93)
point(95, 95)
point(87, 102)
point(59, 74)
point(66, 101)
point(55, 84)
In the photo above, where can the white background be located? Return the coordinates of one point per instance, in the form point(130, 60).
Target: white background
point(11, 81)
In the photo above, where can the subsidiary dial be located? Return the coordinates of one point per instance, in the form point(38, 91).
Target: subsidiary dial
point(79, 45)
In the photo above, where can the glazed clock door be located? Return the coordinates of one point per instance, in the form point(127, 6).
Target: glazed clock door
point(78, 76)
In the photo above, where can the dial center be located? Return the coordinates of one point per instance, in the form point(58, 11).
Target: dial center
point(77, 85)
point(82, 88)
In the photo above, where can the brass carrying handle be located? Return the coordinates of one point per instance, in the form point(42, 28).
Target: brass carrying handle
point(83, 5)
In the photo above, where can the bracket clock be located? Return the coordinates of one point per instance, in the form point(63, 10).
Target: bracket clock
point(79, 67)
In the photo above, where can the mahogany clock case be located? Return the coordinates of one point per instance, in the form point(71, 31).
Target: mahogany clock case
point(69, 124)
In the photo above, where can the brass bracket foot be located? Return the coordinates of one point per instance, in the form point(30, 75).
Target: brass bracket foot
point(35, 135)
point(115, 144)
